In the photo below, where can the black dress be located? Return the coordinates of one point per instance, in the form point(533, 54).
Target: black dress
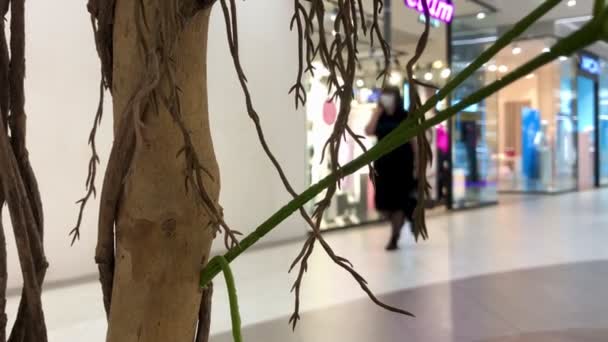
point(395, 182)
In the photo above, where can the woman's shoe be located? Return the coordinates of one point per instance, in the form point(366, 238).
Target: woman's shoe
point(393, 244)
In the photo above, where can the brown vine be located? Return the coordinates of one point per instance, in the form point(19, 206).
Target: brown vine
point(19, 186)
point(340, 57)
point(424, 150)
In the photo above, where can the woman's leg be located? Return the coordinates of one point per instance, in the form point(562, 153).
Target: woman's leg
point(397, 219)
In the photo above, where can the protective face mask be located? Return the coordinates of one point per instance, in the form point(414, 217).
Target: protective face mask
point(388, 102)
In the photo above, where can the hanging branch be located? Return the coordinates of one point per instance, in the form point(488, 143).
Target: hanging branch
point(340, 59)
point(334, 58)
point(30, 322)
point(4, 111)
point(19, 185)
point(3, 272)
point(204, 315)
point(102, 23)
point(93, 163)
point(424, 151)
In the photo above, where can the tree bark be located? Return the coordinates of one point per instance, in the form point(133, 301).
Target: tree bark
point(163, 234)
point(3, 274)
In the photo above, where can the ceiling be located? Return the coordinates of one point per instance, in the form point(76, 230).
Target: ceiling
point(510, 11)
point(407, 26)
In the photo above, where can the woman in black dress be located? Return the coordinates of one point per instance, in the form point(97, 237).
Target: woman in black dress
point(395, 181)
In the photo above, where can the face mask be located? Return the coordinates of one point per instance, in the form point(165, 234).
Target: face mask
point(388, 102)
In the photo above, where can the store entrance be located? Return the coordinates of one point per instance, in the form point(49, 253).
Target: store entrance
point(587, 104)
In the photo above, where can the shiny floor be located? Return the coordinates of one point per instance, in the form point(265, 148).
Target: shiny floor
point(529, 270)
point(548, 304)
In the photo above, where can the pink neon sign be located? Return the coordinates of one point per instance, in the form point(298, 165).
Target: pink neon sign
point(439, 9)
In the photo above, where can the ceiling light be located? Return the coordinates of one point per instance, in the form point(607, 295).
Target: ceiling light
point(529, 76)
point(445, 73)
point(563, 58)
point(571, 3)
point(492, 68)
point(502, 69)
point(360, 83)
point(438, 64)
point(428, 76)
point(516, 50)
point(546, 50)
point(481, 15)
point(395, 78)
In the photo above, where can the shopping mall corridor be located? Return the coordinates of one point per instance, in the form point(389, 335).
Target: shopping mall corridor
point(534, 270)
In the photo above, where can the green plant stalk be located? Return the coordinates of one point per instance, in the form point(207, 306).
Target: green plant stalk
point(586, 35)
point(598, 6)
point(232, 297)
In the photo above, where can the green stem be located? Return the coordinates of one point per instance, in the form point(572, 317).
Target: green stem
point(588, 34)
point(598, 7)
point(232, 297)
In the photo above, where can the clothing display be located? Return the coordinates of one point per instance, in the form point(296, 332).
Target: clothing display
point(443, 162)
point(352, 203)
point(469, 142)
point(530, 126)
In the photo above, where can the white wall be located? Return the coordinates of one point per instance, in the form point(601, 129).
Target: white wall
point(62, 89)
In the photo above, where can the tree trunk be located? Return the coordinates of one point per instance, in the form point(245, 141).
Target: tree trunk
point(163, 234)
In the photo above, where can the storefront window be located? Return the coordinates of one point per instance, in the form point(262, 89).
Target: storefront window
point(536, 148)
point(547, 132)
point(353, 203)
point(603, 124)
point(564, 144)
point(474, 136)
point(586, 111)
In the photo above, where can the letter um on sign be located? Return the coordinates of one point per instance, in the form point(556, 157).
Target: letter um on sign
point(438, 9)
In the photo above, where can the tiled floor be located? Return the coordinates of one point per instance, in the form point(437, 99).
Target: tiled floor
point(531, 270)
point(564, 303)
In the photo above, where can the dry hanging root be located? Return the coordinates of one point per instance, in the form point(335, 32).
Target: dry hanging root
point(423, 145)
point(339, 56)
point(19, 189)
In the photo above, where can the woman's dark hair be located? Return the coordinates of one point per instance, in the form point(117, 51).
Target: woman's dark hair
point(392, 90)
point(396, 93)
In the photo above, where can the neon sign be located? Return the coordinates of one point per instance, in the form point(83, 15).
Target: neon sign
point(439, 9)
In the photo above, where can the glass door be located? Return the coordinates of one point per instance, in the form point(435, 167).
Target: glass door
point(586, 128)
point(603, 125)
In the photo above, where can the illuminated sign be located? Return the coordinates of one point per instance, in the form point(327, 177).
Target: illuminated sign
point(589, 64)
point(438, 9)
